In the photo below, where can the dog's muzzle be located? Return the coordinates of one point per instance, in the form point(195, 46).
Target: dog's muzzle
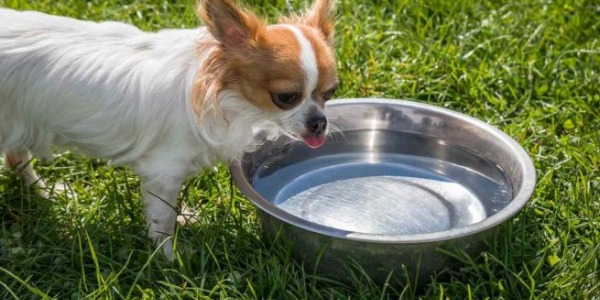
point(316, 132)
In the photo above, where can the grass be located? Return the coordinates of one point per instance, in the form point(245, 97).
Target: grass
point(531, 68)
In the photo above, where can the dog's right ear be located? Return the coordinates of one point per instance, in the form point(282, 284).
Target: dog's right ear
point(230, 24)
point(322, 16)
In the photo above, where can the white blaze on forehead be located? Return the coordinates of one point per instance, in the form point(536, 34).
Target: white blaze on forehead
point(308, 60)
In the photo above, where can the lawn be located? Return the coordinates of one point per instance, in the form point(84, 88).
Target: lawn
point(531, 68)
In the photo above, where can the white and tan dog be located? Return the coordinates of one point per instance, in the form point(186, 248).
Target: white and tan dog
point(166, 103)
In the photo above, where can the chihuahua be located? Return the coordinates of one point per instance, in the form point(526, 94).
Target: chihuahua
point(166, 103)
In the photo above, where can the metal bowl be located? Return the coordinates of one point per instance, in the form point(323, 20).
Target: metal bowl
point(397, 188)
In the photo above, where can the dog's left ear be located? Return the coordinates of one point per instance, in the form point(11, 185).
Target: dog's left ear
point(322, 16)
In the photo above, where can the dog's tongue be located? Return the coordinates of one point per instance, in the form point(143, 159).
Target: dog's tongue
point(315, 141)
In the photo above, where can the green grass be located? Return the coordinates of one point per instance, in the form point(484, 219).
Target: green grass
point(531, 68)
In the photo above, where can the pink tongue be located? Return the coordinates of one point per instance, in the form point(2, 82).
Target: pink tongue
point(315, 141)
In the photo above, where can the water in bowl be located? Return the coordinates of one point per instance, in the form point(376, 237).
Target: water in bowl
point(422, 186)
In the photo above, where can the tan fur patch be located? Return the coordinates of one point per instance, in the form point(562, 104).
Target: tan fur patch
point(275, 69)
point(325, 58)
point(320, 16)
point(272, 66)
point(265, 61)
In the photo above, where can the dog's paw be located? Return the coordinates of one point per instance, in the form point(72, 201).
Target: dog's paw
point(57, 189)
point(187, 216)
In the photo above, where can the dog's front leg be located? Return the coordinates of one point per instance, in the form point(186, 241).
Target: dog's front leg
point(20, 162)
point(159, 192)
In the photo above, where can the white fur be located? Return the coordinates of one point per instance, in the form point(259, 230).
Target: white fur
point(308, 59)
point(294, 119)
point(112, 91)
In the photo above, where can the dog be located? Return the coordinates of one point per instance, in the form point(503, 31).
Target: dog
point(167, 103)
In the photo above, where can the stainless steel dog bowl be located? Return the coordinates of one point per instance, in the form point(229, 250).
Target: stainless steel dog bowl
point(397, 188)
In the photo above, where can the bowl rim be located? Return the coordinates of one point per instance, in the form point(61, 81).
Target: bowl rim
point(515, 206)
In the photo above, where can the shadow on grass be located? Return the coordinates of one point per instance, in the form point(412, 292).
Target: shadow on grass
point(508, 266)
point(44, 247)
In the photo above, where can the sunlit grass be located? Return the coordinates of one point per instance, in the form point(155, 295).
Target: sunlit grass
point(530, 68)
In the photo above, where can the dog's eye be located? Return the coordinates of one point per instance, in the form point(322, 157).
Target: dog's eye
point(329, 93)
point(286, 100)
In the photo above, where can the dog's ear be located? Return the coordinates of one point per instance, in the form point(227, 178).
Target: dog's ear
point(322, 16)
point(233, 26)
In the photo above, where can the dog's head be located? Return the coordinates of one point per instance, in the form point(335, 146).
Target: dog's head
point(286, 70)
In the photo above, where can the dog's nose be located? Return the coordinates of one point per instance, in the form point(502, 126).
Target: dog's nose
point(316, 125)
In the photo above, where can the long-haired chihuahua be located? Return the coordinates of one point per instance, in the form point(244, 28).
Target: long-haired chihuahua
point(165, 103)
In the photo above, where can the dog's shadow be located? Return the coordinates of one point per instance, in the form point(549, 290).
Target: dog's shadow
point(99, 235)
point(72, 233)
